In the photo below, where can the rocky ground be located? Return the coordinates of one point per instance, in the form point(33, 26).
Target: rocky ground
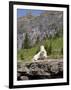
point(47, 69)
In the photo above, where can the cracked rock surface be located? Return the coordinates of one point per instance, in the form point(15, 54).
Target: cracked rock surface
point(50, 69)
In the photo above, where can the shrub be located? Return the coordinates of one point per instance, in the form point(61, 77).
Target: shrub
point(26, 42)
point(37, 40)
point(48, 48)
point(38, 49)
point(22, 57)
point(62, 50)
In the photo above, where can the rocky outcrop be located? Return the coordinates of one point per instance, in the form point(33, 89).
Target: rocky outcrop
point(40, 70)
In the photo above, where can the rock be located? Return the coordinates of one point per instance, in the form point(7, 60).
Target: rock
point(54, 68)
point(41, 70)
point(60, 66)
point(33, 69)
point(18, 74)
point(24, 78)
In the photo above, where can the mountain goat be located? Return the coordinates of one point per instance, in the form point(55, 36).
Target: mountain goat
point(41, 55)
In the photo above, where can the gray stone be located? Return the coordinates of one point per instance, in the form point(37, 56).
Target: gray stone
point(24, 78)
point(50, 69)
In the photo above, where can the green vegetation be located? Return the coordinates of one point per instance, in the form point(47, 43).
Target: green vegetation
point(53, 46)
point(27, 53)
point(48, 48)
point(26, 42)
point(62, 50)
point(21, 56)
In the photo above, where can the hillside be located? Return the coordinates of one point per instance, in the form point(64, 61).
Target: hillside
point(56, 50)
point(47, 24)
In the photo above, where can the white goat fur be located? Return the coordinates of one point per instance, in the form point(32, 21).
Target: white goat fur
point(42, 49)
